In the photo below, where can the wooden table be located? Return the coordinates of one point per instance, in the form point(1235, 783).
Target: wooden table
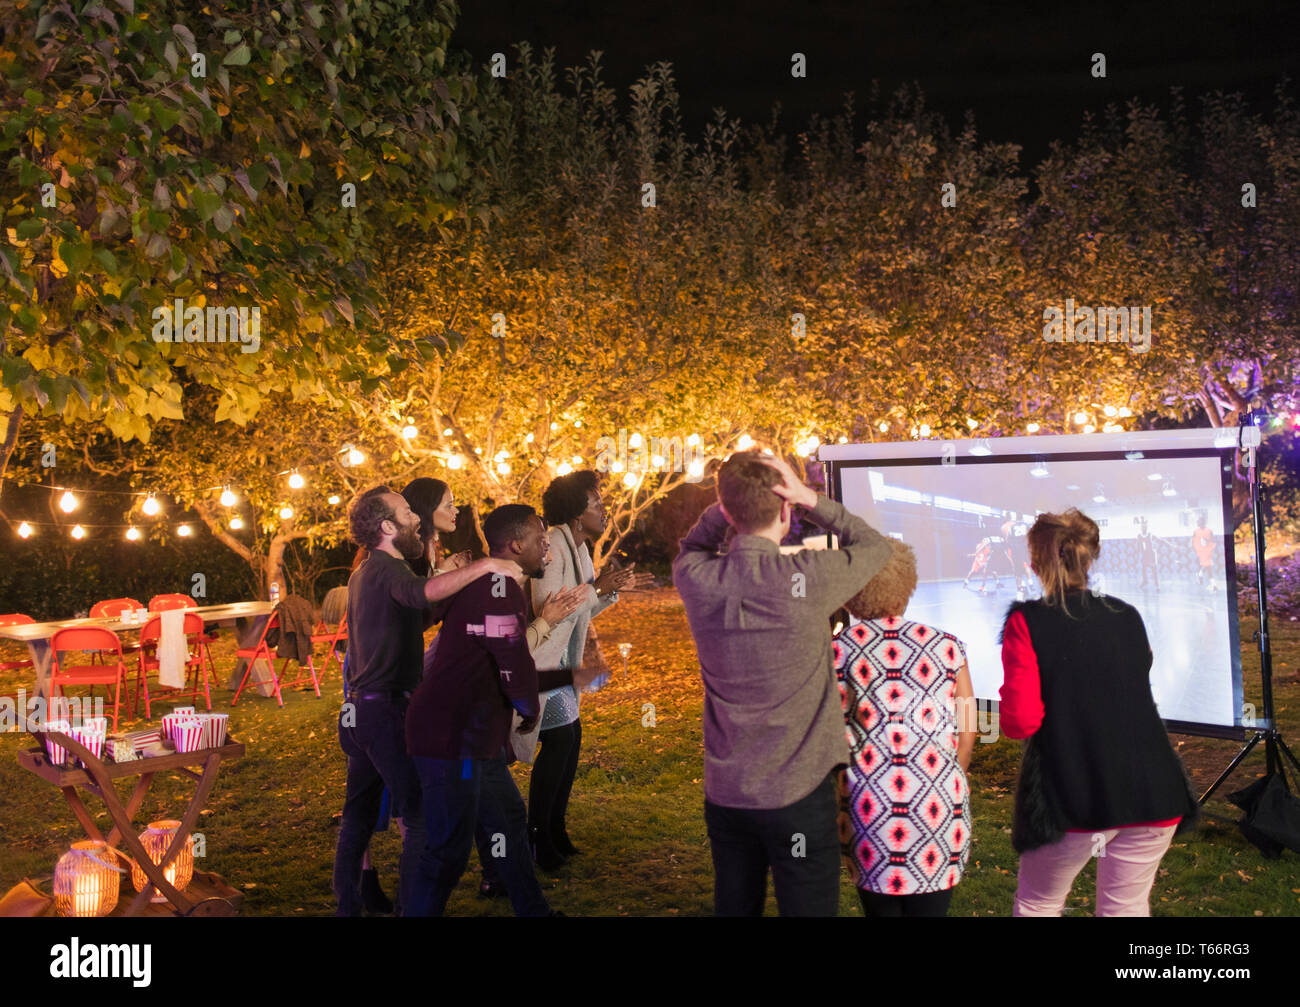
point(248, 616)
point(98, 777)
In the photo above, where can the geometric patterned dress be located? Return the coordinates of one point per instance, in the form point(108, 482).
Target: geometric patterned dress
point(907, 827)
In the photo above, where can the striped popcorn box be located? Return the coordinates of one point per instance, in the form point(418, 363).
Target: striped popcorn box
point(186, 710)
point(96, 723)
point(121, 749)
point(206, 720)
point(189, 735)
point(145, 738)
point(57, 753)
point(92, 738)
point(170, 722)
point(220, 721)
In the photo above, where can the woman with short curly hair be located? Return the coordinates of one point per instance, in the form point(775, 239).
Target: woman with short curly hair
point(908, 709)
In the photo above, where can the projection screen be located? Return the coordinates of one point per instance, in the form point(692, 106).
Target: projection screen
point(1162, 500)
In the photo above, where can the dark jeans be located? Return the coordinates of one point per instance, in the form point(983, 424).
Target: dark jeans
point(805, 873)
point(376, 751)
point(927, 904)
point(457, 794)
point(552, 780)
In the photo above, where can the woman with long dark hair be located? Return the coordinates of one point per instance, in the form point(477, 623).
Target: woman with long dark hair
point(432, 501)
point(1098, 776)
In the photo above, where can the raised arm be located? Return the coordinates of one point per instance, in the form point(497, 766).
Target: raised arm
point(702, 542)
point(447, 584)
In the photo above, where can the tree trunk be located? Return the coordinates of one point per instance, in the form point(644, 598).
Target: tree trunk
point(12, 424)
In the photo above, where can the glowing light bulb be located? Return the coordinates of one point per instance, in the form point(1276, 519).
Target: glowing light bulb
point(286, 512)
point(629, 480)
point(616, 467)
point(696, 469)
point(447, 431)
point(501, 455)
point(67, 502)
point(1111, 411)
point(228, 498)
point(972, 423)
point(925, 430)
point(530, 438)
point(555, 426)
point(1032, 428)
point(150, 506)
point(884, 427)
point(297, 482)
point(657, 461)
point(745, 443)
point(1080, 418)
point(455, 462)
point(24, 530)
point(355, 457)
point(133, 534)
point(503, 468)
point(334, 500)
point(577, 423)
point(634, 441)
point(236, 523)
point(844, 440)
point(576, 459)
point(410, 432)
point(1125, 411)
point(693, 440)
point(184, 530)
point(78, 532)
point(564, 468)
point(1089, 429)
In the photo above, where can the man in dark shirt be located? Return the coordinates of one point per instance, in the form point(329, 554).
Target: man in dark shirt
point(388, 611)
point(460, 718)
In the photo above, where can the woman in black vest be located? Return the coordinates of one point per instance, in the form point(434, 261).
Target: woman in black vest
point(1098, 776)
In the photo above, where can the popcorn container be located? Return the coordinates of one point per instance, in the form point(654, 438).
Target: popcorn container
point(57, 753)
point(185, 710)
point(220, 721)
point(92, 738)
point(189, 735)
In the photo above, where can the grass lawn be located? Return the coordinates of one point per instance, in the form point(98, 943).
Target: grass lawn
point(637, 806)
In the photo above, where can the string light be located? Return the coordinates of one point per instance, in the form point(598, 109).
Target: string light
point(151, 506)
point(334, 500)
point(297, 482)
point(529, 438)
point(693, 440)
point(183, 530)
point(228, 498)
point(745, 443)
point(78, 532)
point(1080, 419)
point(455, 462)
point(236, 523)
point(447, 431)
point(24, 530)
point(630, 480)
point(132, 534)
point(503, 468)
point(286, 512)
point(1032, 428)
point(410, 432)
point(564, 468)
point(67, 502)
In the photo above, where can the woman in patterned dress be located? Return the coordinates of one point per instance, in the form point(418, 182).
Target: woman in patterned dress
point(907, 828)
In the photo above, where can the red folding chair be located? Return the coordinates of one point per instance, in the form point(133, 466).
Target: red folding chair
point(194, 665)
point(262, 650)
point(324, 635)
point(114, 607)
point(165, 602)
point(89, 639)
point(15, 619)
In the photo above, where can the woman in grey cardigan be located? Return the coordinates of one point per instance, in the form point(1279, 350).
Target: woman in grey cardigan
point(572, 507)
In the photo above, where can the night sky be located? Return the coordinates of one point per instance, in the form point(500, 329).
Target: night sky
point(1025, 74)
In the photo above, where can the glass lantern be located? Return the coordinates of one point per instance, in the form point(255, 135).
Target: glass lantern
point(86, 880)
point(155, 840)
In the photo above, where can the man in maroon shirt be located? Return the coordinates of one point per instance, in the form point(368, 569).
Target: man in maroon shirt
point(459, 722)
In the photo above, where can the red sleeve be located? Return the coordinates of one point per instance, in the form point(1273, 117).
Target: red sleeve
point(1021, 707)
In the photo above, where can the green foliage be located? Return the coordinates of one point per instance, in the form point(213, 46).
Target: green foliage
point(200, 154)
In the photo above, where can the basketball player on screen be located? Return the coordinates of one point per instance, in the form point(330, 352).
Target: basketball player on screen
point(1203, 544)
point(1147, 555)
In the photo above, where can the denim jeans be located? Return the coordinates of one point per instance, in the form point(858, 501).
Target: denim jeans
point(376, 751)
point(457, 794)
point(800, 843)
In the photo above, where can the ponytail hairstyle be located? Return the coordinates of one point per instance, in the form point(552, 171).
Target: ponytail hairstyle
point(1063, 547)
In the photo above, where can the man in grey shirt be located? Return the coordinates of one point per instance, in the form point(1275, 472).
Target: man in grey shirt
point(774, 735)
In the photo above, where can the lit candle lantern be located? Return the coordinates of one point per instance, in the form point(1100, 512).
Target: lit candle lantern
point(155, 840)
point(86, 880)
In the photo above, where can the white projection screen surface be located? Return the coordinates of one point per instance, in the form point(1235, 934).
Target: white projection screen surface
point(1161, 499)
